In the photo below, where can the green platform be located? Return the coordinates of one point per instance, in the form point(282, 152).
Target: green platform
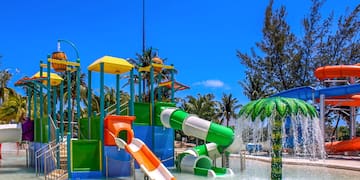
point(45, 130)
point(85, 155)
point(142, 113)
point(95, 128)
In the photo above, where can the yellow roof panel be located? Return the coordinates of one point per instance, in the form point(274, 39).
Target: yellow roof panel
point(55, 79)
point(112, 65)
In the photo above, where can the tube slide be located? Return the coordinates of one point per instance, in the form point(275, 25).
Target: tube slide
point(338, 95)
point(121, 126)
point(147, 160)
point(197, 160)
point(339, 71)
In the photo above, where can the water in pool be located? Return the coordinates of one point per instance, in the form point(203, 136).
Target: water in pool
point(13, 166)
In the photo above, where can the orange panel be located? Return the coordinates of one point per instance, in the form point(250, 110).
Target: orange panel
point(113, 124)
point(352, 101)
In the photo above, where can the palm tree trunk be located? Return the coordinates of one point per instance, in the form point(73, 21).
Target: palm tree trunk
point(0, 151)
point(276, 155)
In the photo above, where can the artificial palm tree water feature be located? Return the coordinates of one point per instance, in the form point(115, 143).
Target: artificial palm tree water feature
point(282, 122)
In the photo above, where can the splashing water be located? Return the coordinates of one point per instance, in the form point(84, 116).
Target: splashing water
point(301, 135)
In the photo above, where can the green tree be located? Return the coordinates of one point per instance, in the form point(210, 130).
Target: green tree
point(5, 77)
point(13, 108)
point(281, 60)
point(83, 90)
point(144, 60)
point(227, 107)
point(278, 66)
point(203, 106)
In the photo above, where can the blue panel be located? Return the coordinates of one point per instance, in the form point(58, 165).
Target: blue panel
point(163, 142)
point(86, 175)
point(114, 153)
point(144, 133)
point(164, 145)
point(34, 147)
point(118, 168)
point(118, 162)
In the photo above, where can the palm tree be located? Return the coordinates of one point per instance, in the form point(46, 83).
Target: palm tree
point(5, 77)
point(144, 60)
point(227, 108)
point(83, 90)
point(277, 109)
point(254, 87)
point(13, 108)
point(203, 105)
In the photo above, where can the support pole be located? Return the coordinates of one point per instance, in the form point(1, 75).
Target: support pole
point(159, 89)
point(48, 101)
point(172, 86)
point(69, 113)
point(41, 94)
point(35, 118)
point(132, 93)
point(54, 106)
point(89, 105)
point(352, 122)
point(140, 83)
point(117, 94)
point(102, 114)
point(78, 108)
point(28, 93)
point(62, 109)
point(322, 114)
point(152, 106)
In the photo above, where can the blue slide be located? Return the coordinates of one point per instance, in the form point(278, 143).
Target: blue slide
point(308, 93)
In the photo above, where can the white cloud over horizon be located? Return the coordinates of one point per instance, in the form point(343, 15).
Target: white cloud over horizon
point(210, 83)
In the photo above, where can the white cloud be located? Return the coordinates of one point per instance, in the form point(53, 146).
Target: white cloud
point(211, 83)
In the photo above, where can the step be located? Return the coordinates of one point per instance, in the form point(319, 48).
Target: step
point(57, 173)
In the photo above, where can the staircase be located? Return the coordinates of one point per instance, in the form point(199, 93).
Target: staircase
point(51, 160)
point(52, 168)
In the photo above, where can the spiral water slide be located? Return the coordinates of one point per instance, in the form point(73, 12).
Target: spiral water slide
point(198, 160)
point(347, 95)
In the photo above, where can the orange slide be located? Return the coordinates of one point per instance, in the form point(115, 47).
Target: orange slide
point(338, 71)
point(341, 71)
point(147, 160)
point(343, 146)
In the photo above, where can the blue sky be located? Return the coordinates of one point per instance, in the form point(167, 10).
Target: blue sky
point(199, 37)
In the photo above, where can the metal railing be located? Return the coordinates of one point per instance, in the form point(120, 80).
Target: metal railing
point(39, 154)
point(51, 159)
point(112, 109)
point(55, 162)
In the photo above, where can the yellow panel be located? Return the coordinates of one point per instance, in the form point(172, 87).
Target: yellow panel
point(146, 69)
point(165, 83)
point(63, 62)
point(55, 79)
point(112, 65)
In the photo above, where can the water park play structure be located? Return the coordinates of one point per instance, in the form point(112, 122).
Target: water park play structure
point(105, 144)
point(71, 144)
point(335, 96)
